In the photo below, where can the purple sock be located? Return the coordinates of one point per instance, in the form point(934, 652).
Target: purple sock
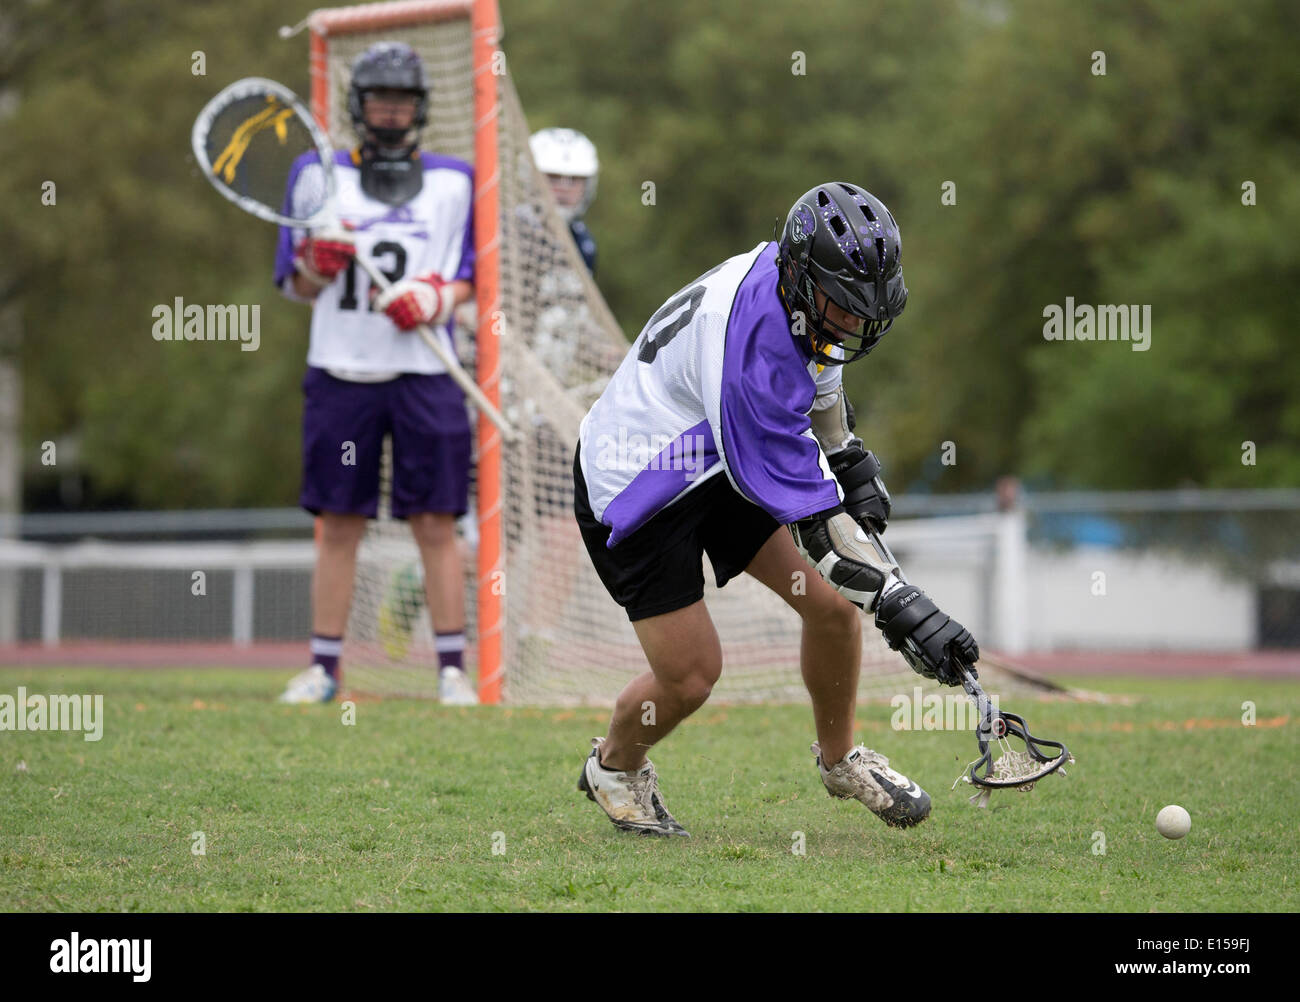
point(451, 650)
point(325, 652)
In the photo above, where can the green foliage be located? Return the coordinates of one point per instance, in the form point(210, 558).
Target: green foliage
point(135, 225)
point(1115, 189)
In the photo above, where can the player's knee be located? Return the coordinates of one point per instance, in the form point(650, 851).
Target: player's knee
point(694, 689)
point(341, 531)
point(433, 530)
point(693, 686)
point(834, 614)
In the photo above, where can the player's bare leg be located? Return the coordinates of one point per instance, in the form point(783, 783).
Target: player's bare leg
point(830, 648)
point(444, 571)
point(830, 655)
point(685, 658)
point(336, 566)
point(685, 661)
point(444, 591)
point(331, 597)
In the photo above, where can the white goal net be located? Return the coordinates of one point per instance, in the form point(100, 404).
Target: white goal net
point(563, 640)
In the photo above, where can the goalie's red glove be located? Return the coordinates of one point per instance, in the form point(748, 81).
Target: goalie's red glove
point(425, 300)
point(321, 256)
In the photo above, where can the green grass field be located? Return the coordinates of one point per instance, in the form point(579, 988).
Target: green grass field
point(402, 810)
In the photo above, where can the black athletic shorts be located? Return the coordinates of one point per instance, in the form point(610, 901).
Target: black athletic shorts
point(660, 567)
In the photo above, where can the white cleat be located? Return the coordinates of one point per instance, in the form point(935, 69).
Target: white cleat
point(630, 799)
point(310, 686)
point(865, 775)
point(455, 688)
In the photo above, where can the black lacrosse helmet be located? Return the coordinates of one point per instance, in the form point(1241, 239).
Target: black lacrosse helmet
point(843, 239)
point(388, 66)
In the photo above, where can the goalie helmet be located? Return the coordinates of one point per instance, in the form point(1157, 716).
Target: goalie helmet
point(842, 239)
point(567, 153)
point(390, 168)
point(388, 66)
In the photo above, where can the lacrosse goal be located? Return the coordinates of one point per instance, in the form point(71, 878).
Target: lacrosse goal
point(542, 628)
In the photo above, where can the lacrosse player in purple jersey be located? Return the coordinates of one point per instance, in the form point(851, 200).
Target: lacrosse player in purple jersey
point(737, 382)
point(369, 374)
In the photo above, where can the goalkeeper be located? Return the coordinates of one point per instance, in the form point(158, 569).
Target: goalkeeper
point(740, 374)
point(369, 375)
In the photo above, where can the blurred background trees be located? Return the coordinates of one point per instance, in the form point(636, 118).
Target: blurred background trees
point(1122, 188)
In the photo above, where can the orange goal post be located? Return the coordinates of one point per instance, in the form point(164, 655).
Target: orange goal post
point(363, 21)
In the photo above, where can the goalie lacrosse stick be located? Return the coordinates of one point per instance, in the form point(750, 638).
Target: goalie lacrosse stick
point(1014, 769)
point(248, 140)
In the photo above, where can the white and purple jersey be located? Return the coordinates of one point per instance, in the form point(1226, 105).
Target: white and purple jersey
point(433, 232)
point(714, 383)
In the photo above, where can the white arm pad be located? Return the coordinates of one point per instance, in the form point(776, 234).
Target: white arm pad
point(843, 555)
point(830, 421)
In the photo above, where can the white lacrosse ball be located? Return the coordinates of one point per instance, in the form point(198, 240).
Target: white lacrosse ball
point(1173, 822)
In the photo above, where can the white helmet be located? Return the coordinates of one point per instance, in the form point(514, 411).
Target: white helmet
point(567, 153)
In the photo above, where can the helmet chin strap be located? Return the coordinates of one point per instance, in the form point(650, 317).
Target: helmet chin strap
point(821, 342)
point(389, 144)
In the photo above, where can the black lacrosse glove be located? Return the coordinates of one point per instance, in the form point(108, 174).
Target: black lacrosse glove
point(932, 642)
point(865, 497)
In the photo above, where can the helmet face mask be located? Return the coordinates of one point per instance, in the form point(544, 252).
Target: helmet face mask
point(389, 117)
point(827, 333)
point(570, 194)
point(841, 241)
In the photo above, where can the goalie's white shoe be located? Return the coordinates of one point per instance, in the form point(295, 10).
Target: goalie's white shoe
point(311, 686)
point(631, 799)
point(865, 775)
point(455, 688)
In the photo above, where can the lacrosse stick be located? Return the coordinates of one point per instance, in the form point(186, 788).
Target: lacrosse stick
point(248, 139)
point(1014, 769)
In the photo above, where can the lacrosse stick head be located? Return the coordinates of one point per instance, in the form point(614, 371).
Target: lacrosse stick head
point(261, 149)
point(1002, 765)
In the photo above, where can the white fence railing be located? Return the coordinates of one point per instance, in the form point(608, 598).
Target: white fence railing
point(977, 559)
point(1202, 570)
point(241, 559)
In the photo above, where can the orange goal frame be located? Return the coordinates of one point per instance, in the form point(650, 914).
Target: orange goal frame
point(485, 22)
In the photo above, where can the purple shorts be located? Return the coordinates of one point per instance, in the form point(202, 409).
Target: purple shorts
point(426, 416)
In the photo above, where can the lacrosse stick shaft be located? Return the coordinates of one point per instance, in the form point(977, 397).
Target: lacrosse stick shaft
point(462, 378)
